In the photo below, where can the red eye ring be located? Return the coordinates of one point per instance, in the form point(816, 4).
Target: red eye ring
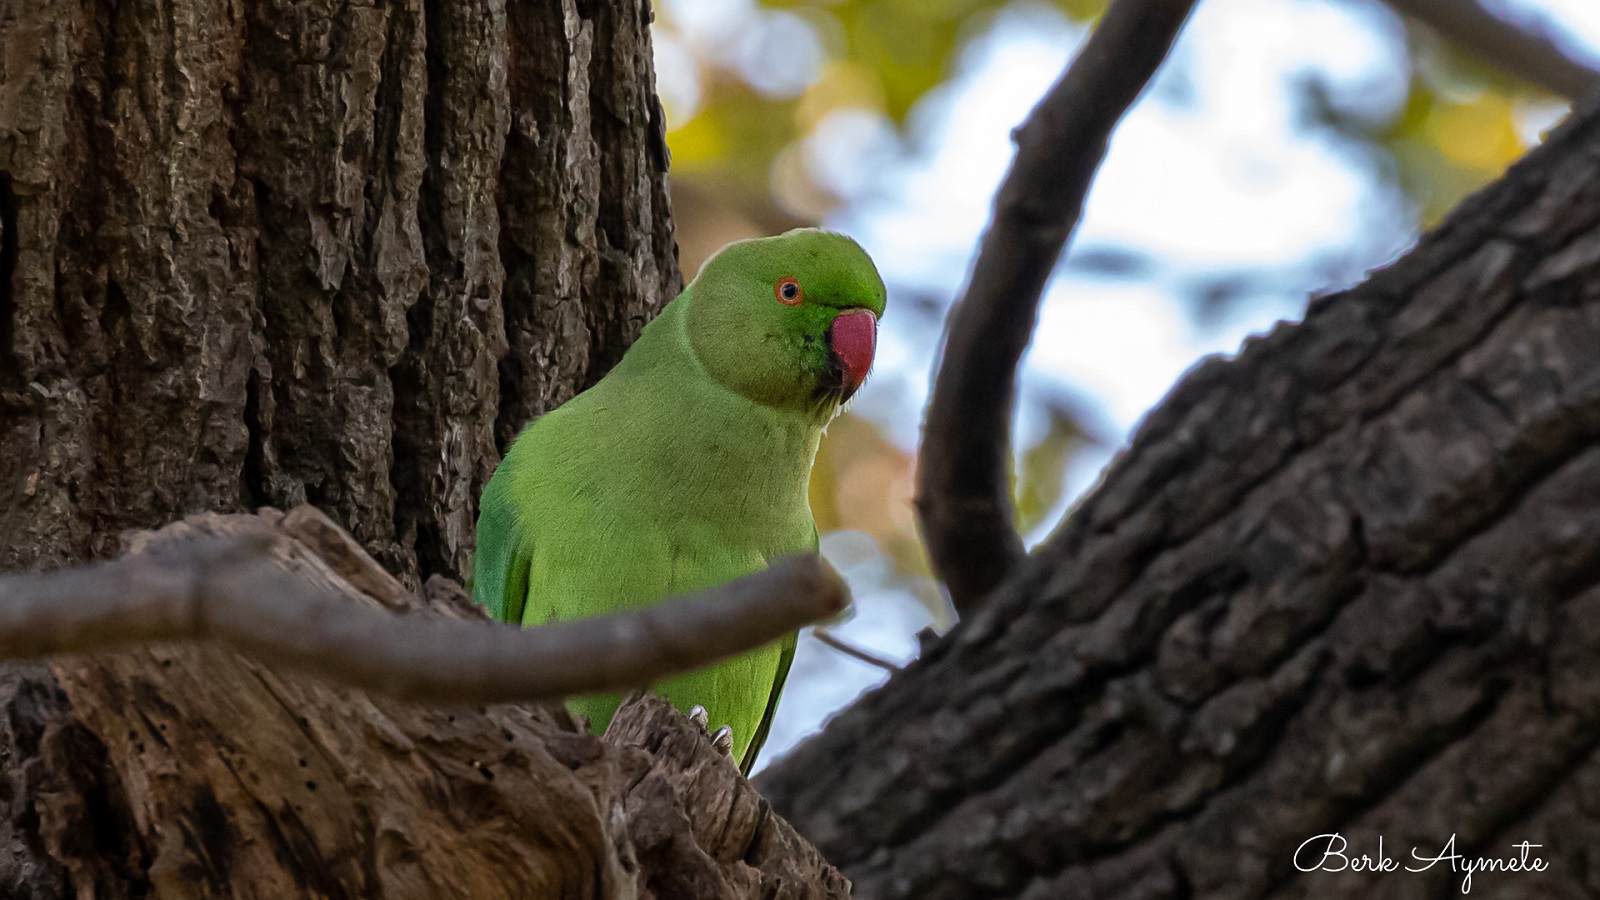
point(788, 292)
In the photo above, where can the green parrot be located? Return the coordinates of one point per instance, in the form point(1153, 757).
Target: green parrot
point(687, 465)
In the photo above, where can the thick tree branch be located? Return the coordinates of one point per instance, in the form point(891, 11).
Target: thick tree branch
point(1531, 57)
point(964, 489)
point(243, 591)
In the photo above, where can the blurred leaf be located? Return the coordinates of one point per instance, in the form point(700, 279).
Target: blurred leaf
point(844, 84)
point(1456, 132)
point(1448, 145)
point(1044, 466)
point(862, 482)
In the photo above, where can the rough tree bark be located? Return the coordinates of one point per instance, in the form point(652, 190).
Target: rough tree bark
point(1347, 582)
point(272, 254)
point(279, 253)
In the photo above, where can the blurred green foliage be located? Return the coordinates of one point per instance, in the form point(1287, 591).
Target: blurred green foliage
point(741, 130)
point(747, 83)
point(1041, 477)
point(1460, 127)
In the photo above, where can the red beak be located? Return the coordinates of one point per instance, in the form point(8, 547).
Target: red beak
point(853, 337)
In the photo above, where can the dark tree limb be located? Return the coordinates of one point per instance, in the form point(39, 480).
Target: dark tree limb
point(239, 591)
point(964, 487)
point(1348, 581)
point(1531, 57)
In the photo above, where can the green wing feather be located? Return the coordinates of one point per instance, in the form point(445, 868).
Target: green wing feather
point(784, 662)
point(760, 737)
point(500, 566)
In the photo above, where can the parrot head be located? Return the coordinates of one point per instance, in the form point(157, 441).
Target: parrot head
point(790, 321)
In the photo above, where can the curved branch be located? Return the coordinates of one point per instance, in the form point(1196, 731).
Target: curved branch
point(249, 593)
point(1527, 55)
point(964, 491)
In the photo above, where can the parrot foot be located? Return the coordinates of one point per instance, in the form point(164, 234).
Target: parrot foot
point(722, 739)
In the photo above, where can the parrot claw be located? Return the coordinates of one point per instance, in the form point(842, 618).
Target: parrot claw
point(698, 716)
point(722, 739)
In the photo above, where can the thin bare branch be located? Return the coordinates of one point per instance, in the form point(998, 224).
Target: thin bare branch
point(244, 592)
point(964, 487)
point(837, 643)
point(1529, 56)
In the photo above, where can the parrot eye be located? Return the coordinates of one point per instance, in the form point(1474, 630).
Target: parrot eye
point(787, 291)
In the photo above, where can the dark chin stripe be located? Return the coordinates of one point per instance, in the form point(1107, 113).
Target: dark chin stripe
point(830, 382)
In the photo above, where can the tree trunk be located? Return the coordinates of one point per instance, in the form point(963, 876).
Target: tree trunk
point(1348, 582)
point(280, 253)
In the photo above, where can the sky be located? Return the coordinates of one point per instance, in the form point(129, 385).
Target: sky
point(1212, 186)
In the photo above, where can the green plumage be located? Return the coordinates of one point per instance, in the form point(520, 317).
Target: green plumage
point(686, 466)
